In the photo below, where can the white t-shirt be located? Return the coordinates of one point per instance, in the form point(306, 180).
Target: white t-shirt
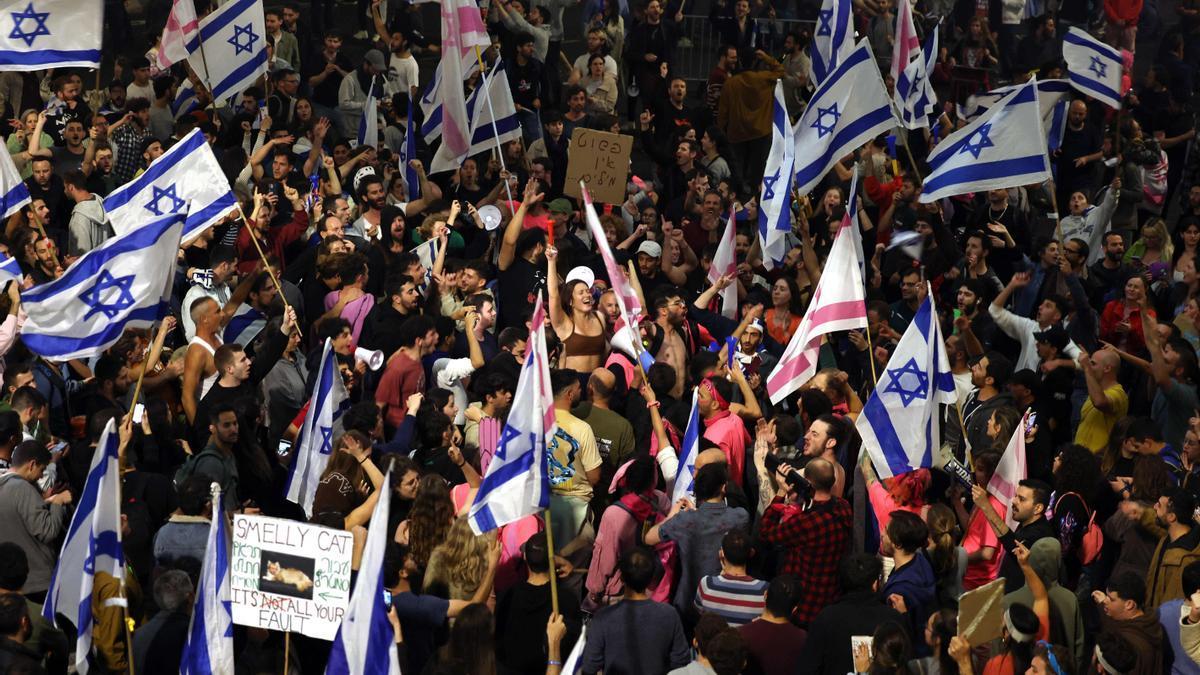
point(402, 75)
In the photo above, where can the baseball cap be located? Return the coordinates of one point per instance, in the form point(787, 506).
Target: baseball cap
point(1055, 336)
point(581, 273)
point(560, 205)
point(375, 58)
point(650, 248)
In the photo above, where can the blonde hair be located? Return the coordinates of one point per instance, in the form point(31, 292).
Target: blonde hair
point(460, 561)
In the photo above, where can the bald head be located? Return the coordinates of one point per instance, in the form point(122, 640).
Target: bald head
point(1078, 113)
point(202, 308)
point(601, 384)
point(710, 456)
point(1106, 360)
point(820, 473)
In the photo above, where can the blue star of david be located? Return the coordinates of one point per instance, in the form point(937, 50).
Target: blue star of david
point(769, 185)
point(236, 40)
point(1098, 67)
point(228, 606)
point(159, 193)
point(506, 434)
point(822, 128)
point(95, 297)
point(326, 439)
point(916, 83)
point(982, 141)
point(825, 16)
point(38, 17)
point(908, 371)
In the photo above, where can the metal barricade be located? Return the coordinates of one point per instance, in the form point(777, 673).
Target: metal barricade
point(696, 53)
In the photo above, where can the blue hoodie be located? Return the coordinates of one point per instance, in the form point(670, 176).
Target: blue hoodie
point(917, 584)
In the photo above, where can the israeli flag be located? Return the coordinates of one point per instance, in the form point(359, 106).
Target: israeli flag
point(833, 40)
point(915, 97)
point(209, 645)
point(1054, 97)
point(491, 100)
point(93, 544)
point(41, 34)
point(899, 422)
point(408, 152)
point(245, 325)
point(774, 203)
point(849, 108)
point(517, 482)
point(368, 125)
point(1093, 67)
point(121, 284)
point(431, 105)
point(234, 48)
point(427, 252)
point(1002, 148)
point(13, 192)
point(850, 220)
point(689, 449)
point(365, 643)
point(186, 100)
point(321, 423)
point(10, 270)
point(185, 179)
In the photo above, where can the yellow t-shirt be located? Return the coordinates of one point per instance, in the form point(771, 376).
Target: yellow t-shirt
point(1095, 425)
point(572, 454)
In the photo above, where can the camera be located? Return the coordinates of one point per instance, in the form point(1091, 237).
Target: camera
point(795, 480)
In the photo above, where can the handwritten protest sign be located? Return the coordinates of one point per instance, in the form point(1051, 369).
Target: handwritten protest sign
point(601, 161)
point(290, 576)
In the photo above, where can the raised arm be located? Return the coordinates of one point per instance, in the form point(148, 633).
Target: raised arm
point(512, 231)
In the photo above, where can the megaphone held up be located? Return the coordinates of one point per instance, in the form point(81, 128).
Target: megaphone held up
point(373, 358)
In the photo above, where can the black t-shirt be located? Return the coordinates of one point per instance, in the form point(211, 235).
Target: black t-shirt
point(519, 286)
point(326, 93)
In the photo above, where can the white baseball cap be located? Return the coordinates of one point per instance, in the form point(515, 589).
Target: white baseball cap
point(581, 273)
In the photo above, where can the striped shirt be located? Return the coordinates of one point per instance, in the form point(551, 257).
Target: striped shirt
point(737, 599)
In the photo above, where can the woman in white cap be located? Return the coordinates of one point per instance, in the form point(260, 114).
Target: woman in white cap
point(575, 318)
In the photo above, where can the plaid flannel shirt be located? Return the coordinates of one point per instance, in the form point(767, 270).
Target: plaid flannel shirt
point(815, 541)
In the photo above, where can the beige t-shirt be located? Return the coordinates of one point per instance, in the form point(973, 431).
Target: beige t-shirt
point(573, 453)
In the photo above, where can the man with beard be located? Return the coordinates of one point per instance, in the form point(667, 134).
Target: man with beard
point(671, 314)
point(46, 266)
point(1081, 146)
point(1110, 273)
point(1177, 548)
point(380, 329)
point(1029, 506)
point(972, 298)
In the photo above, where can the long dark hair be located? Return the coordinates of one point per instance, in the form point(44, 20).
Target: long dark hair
point(1078, 472)
point(892, 650)
point(945, 626)
point(469, 640)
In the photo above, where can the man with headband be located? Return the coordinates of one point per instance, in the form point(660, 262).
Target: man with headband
point(723, 425)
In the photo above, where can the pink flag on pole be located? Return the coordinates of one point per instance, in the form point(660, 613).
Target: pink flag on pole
point(725, 262)
point(462, 31)
point(907, 45)
point(182, 27)
point(1010, 471)
point(626, 297)
point(837, 304)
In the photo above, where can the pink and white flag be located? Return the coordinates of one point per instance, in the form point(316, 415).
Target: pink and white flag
point(907, 44)
point(837, 304)
point(725, 262)
point(1010, 471)
point(182, 28)
point(626, 297)
point(462, 31)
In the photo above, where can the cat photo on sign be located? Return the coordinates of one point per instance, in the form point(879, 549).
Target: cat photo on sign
point(286, 574)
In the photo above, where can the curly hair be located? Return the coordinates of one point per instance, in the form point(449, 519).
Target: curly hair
point(1078, 472)
point(458, 563)
point(908, 489)
point(430, 518)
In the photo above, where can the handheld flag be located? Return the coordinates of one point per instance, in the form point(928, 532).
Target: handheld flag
point(462, 30)
point(492, 115)
point(321, 424)
point(849, 108)
point(13, 192)
point(408, 151)
point(833, 40)
point(122, 283)
point(368, 126)
point(689, 450)
point(365, 643)
point(93, 545)
point(245, 325)
point(1002, 148)
point(234, 38)
point(431, 104)
point(899, 423)
point(185, 100)
point(10, 270)
point(1010, 471)
point(517, 482)
point(838, 303)
point(209, 644)
point(1093, 67)
point(185, 179)
point(774, 212)
point(915, 97)
point(905, 44)
point(181, 29)
point(50, 34)
point(725, 262)
point(628, 304)
point(1053, 98)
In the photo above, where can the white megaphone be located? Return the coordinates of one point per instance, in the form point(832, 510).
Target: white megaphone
point(373, 358)
point(622, 341)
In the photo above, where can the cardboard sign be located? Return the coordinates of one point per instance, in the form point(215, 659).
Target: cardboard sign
point(981, 613)
point(601, 161)
point(290, 576)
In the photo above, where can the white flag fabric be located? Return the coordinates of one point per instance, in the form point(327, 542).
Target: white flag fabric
point(899, 423)
point(517, 483)
point(235, 48)
point(493, 95)
point(849, 108)
point(10, 270)
point(431, 104)
point(179, 34)
point(245, 325)
point(13, 192)
point(1002, 148)
point(915, 97)
point(725, 262)
point(185, 100)
point(838, 303)
point(462, 31)
point(322, 422)
point(833, 39)
point(365, 643)
point(41, 34)
point(688, 451)
point(121, 283)
point(185, 179)
point(1093, 67)
point(774, 210)
point(1011, 470)
point(93, 544)
point(408, 151)
point(905, 44)
point(627, 298)
point(368, 125)
point(1054, 96)
point(209, 645)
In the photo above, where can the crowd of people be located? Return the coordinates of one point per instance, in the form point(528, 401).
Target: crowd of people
point(1076, 300)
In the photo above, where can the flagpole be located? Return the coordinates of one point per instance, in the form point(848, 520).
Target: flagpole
point(267, 263)
point(550, 554)
point(287, 648)
point(487, 95)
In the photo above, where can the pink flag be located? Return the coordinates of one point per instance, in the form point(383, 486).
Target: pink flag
point(907, 45)
point(462, 31)
point(725, 262)
point(1010, 471)
point(838, 303)
point(182, 27)
point(626, 297)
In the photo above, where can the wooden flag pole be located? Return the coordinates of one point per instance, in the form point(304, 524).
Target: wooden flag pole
point(270, 270)
point(550, 554)
point(287, 649)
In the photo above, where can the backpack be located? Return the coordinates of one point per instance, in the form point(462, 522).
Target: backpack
point(1093, 537)
point(188, 468)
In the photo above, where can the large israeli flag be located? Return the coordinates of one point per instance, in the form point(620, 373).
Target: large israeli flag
point(1054, 97)
point(1002, 148)
point(491, 100)
point(408, 151)
point(321, 423)
point(235, 48)
point(209, 645)
point(774, 203)
point(1093, 67)
point(185, 179)
point(849, 108)
point(689, 449)
point(517, 483)
point(41, 34)
point(899, 422)
point(93, 544)
point(365, 643)
point(13, 192)
point(431, 105)
point(123, 283)
point(915, 97)
point(833, 40)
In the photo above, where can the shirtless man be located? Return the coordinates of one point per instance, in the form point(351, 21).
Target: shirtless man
point(670, 312)
point(199, 369)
